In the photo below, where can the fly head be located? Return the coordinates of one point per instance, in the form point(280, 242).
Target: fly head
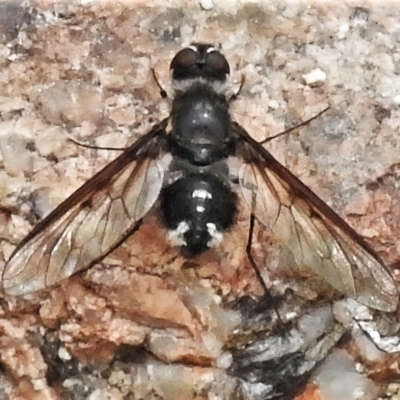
point(199, 61)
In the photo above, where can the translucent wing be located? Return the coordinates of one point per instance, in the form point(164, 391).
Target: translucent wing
point(317, 237)
point(92, 221)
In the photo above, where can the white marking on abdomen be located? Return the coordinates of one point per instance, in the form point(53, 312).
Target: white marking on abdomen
point(175, 237)
point(202, 194)
point(216, 235)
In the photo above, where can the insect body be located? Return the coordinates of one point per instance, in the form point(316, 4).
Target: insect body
point(200, 205)
point(185, 162)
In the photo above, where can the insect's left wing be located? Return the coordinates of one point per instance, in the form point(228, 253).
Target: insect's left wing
point(317, 237)
point(92, 221)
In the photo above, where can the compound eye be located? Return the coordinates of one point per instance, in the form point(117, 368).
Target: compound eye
point(184, 59)
point(217, 62)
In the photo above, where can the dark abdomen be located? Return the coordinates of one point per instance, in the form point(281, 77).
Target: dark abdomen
point(197, 209)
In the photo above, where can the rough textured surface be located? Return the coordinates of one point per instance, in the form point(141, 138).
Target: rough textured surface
point(145, 323)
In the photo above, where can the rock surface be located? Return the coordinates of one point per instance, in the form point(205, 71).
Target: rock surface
point(144, 323)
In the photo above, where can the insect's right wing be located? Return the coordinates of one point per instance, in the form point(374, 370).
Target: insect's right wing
point(92, 221)
point(317, 237)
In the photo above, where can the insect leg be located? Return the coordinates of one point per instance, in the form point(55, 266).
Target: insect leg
point(163, 92)
point(267, 296)
point(306, 122)
point(89, 146)
point(234, 96)
point(250, 256)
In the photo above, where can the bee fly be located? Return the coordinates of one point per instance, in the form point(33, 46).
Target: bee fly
point(196, 165)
